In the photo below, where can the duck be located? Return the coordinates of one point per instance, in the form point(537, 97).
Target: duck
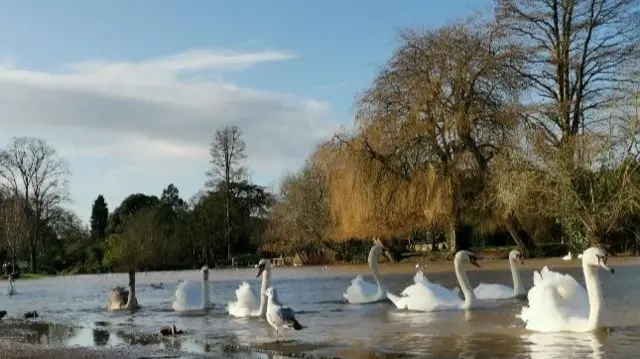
point(123, 299)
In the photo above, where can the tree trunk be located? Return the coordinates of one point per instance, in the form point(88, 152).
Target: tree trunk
point(32, 255)
point(228, 223)
point(520, 236)
point(452, 240)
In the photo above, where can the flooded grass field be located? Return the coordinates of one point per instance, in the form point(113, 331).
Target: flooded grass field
point(72, 313)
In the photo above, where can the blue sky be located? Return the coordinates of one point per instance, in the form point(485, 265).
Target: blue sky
point(130, 92)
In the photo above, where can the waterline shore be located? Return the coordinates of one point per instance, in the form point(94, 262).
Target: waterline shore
point(39, 339)
point(9, 349)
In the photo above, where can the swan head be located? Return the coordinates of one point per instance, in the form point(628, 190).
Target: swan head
point(596, 257)
point(263, 265)
point(379, 249)
point(205, 272)
point(515, 256)
point(467, 256)
point(378, 243)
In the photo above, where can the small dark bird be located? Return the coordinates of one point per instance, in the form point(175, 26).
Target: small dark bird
point(31, 314)
point(157, 286)
point(3, 313)
point(172, 330)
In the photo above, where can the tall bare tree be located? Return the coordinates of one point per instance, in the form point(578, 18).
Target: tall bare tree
point(578, 53)
point(227, 153)
point(300, 219)
point(577, 59)
point(32, 170)
point(14, 226)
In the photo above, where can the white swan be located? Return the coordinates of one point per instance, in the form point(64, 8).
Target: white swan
point(246, 304)
point(120, 298)
point(557, 302)
point(192, 295)
point(499, 291)
point(361, 291)
point(568, 257)
point(427, 297)
point(11, 289)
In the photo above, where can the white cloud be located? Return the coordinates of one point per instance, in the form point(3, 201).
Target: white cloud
point(162, 112)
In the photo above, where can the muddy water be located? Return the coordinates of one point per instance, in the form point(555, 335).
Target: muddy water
point(72, 314)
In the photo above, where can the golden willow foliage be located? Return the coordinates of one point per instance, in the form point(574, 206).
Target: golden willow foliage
point(369, 201)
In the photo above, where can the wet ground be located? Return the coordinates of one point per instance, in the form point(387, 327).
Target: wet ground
point(72, 314)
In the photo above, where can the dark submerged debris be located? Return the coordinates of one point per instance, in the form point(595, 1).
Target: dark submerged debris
point(31, 314)
point(171, 330)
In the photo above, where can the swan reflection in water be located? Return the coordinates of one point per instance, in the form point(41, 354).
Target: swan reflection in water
point(462, 335)
point(566, 345)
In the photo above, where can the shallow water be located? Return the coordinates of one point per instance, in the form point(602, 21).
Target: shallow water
point(76, 305)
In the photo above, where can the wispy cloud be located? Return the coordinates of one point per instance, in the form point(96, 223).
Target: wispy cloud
point(149, 112)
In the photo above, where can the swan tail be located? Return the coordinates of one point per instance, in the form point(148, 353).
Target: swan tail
point(296, 324)
point(398, 301)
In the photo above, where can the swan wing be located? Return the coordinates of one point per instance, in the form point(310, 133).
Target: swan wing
point(556, 302)
point(361, 291)
point(492, 291)
point(246, 301)
point(571, 293)
point(188, 296)
point(426, 297)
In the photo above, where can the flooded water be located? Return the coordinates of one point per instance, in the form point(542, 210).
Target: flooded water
point(72, 313)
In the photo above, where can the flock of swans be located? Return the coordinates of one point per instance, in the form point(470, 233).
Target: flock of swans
point(192, 296)
point(555, 303)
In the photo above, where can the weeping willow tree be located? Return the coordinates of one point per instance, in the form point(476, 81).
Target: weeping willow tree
point(426, 132)
point(370, 200)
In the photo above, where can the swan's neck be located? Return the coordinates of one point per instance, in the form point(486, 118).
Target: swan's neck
point(205, 293)
point(463, 281)
point(518, 289)
point(376, 273)
point(266, 282)
point(373, 264)
point(594, 292)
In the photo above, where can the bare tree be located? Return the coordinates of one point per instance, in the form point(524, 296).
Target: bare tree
point(14, 226)
point(578, 57)
point(227, 153)
point(32, 170)
point(300, 219)
point(579, 52)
